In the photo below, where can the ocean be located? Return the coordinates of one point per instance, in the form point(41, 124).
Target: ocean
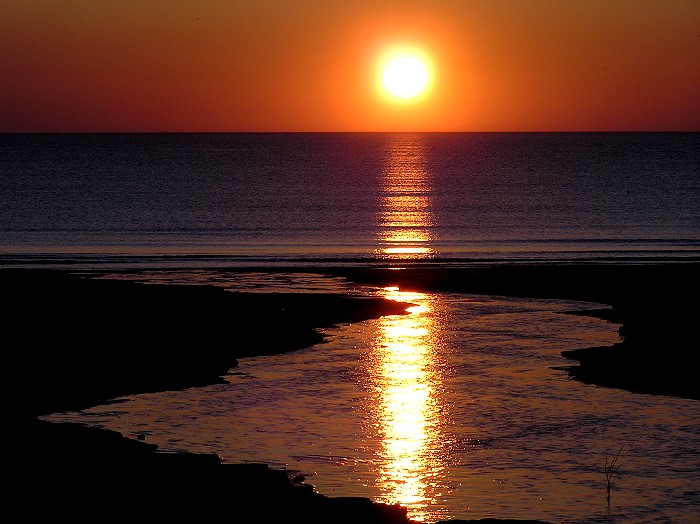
point(456, 410)
point(309, 198)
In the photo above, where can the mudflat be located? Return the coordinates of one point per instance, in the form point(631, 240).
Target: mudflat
point(74, 342)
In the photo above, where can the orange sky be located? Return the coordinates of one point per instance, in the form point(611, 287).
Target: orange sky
point(310, 65)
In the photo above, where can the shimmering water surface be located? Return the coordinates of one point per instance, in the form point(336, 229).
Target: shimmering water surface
point(303, 197)
point(454, 410)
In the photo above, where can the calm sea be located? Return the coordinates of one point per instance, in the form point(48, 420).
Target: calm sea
point(456, 410)
point(335, 197)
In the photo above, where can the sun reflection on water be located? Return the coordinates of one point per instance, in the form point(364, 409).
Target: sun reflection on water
point(406, 218)
point(408, 409)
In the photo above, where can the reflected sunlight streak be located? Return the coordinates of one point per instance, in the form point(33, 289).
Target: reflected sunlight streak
point(409, 414)
point(406, 218)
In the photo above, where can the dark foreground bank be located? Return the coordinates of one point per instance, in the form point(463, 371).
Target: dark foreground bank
point(74, 343)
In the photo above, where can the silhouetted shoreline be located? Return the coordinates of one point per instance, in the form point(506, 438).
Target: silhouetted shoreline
point(80, 342)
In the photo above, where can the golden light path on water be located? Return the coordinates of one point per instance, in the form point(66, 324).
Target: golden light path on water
point(408, 411)
point(404, 371)
point(405, 217)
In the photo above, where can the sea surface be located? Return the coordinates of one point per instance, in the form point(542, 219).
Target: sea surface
point(241, 198)
point(458, 409)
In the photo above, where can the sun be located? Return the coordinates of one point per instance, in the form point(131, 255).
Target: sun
point(405, 75)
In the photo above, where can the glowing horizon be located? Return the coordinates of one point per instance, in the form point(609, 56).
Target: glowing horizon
point(300, 66)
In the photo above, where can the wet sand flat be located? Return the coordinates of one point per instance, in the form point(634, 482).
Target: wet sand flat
point(74, 342)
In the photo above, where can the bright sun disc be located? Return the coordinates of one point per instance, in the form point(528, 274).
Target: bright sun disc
point(405, 76)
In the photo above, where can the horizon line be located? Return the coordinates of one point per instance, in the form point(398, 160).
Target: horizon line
point(343, 132)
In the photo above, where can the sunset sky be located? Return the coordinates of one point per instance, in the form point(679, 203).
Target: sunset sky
point(314, 65)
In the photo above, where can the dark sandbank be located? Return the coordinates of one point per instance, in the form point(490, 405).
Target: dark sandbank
point(74, 343)
point(81, 341)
